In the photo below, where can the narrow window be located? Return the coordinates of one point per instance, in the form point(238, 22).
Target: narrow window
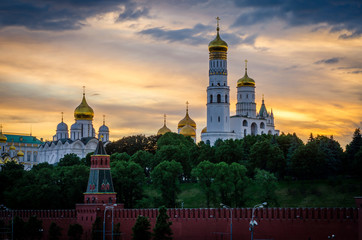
point(211, 98)
point(226, 98)
point(218, 98)
point(218, 118)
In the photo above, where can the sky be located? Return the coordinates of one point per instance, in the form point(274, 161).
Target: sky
point(141, 59)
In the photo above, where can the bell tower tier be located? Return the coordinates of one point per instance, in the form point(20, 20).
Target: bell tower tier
point(100, 186)
point(246, 105)
point(218, 103)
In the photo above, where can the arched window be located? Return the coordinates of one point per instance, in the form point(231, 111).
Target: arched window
point(218, 118)
point(262, 125)
point(210, 98)
point(218, 84)
point(254, 129)
point(226, 98)
point(218, 98)
point(245, 123)
point(244, 132)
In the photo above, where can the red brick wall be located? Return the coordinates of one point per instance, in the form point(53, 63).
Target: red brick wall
point(274, 223)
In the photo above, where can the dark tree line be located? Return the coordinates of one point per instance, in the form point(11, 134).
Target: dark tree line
point(224, 171)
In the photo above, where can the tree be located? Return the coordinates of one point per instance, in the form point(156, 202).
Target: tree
point(54, 231)
point(174, 139)
point(128, 179)
point(132, 144)
point(223, 182)
point(162, 229)
point(205, 172)
point(178, 153)
point(120, 157)
point(141, 229)
point(75, 231)
point(351, 150)
point(229, 151)
point(34, 228)
point(70, 159)
point(266, 184)
point(165, 177)
point(144, 159)
point(333, 154)
point(308, 162)
point(239, 182)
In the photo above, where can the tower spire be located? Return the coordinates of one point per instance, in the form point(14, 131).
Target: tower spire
point(246, 66)
point(262, 99)
point(217, 24)
point(164, 119)
point(62, 115)
point(104, 119)
point(83, 90)
point(187, 107)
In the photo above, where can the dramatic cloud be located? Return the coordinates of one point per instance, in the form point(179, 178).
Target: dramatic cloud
point(338, 14)
point(62, 15)
point(328, 61)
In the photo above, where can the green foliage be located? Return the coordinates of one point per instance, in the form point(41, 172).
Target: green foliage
point(308, 161)
point(165, 177)
point(120, 157)
point(162, 229)
point(229, 151)
point(145, 160)
point(75, 231)
point(70, 159)
point(266, 183)
point(239, 182)
point(132, 144)
point(205, 172)
point(54, 231)
point(128, 179)
point(352, 149)
point(267, 155)
point(141, 229)
point(174, 139)
point(222, 182)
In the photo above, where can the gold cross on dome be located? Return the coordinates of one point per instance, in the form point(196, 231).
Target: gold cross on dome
point(83, 90)
point(246, 63)
point(62, 116)
point(217, 19)
point(164, 119)
point(104, 119)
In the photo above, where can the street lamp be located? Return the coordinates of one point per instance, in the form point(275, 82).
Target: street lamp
point(231, 219)
point(104, 219)
point(253, 222)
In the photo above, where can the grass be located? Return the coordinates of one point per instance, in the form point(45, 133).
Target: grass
point(337, 192)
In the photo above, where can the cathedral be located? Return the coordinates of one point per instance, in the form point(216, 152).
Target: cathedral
point(82, 139)
point(247, 121)
point(220, 125)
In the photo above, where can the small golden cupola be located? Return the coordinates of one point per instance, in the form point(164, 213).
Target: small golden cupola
point(186, 120)
point(246, 81)
point(20, 154)
point(188, 131)
point(3, 138)
point(204, 130)
point(218, 48)
point(164, 129)
point(83, 111)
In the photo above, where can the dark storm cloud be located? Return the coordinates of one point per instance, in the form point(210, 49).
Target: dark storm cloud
point(328, 61)
point(193, 35)
point(59, 15)
point(339, 14)
point(196, 35)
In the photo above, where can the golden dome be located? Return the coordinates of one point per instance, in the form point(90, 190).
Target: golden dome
point(218, 45)
point(204, 130)
point(164, 129)
point(188, 131)
point(246, 81)
point(186, 120)
point(20, 154)
point(12, 147)
point(3, 138)
point(83, 111)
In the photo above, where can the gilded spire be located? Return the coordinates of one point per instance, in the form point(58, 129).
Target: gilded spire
point(217, 27)
point(164, 119)
point(164, 129)
point(83, 111)
point(246, 66)
point(3, 138)
point(262, 99)
point(83, 90)
point(187, 107)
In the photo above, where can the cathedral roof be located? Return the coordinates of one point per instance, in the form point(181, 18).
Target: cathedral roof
point(164, 128)
point(263, 112)
point(100, 150)
point(62, 127)
point(188, 131)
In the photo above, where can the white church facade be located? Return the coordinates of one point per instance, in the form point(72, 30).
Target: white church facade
point(82, 139)
point(247, 121)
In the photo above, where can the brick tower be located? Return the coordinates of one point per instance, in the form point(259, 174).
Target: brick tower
point(100, 186)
